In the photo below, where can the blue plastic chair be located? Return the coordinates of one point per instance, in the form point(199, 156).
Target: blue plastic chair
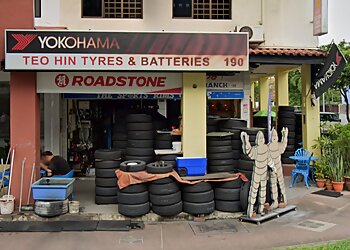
point(302, 167)
point(6, 180)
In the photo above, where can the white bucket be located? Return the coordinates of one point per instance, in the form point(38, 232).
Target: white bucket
point(7, 204)
point(74, 207)
point(177, 146)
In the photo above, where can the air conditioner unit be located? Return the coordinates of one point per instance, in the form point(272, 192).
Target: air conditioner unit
point(256, 33)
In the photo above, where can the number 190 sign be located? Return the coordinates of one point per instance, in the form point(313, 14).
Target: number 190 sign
point(98, 51)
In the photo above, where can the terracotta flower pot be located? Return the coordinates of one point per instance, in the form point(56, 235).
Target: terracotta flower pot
point(320, 183)
point(329, 186)
point(338, 186)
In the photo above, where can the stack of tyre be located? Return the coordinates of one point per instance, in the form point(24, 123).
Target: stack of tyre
point(140, 144)
point(232, 123)
point(106, 182)
point(227, 196)
point(298, 130)
point(120, 136)
point(220, 154)
point(198, 199)
point(236, 147)
point(245, 164)
point(212, 124)
point(261, 122)
point(165, 194)
point(134, 199)
point(286, 118)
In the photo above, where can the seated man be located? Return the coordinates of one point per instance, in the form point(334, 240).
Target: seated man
point(54, 165)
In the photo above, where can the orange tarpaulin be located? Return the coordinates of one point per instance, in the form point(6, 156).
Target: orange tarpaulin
point(129, 178)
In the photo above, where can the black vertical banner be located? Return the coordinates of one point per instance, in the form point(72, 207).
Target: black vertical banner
point(330, 71)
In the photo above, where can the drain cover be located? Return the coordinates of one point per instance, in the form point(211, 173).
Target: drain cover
point(214, 227)
point(315, 225)
point(131, 240)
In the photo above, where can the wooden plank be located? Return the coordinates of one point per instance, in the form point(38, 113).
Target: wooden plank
point(222, 175)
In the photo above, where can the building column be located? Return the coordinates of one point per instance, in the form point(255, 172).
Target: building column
point(24, 128)
point(281, 88)
point(52, 130)
point(194, 114)
point(264, 88)
point(252, 94)
point(310, 114)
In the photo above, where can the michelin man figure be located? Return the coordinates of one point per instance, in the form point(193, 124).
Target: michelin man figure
point(261, 154)
point(276, 178)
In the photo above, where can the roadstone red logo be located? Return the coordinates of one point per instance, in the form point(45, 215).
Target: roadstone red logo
point(23, 40)
point(61, 80)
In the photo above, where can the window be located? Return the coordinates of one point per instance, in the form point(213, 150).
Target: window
point(37, 8)
point(112, 8)
point(202, 9)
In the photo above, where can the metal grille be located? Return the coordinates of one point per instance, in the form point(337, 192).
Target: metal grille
point(212, 9)
point(122, 9)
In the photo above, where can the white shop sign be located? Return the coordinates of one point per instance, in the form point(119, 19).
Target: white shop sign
point(109, 82)
point(223, 83)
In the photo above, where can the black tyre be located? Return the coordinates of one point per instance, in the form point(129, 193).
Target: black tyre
point(120, 144)
point(219, 149)
point(285, 108)
point(220, 169)
point(164, 189)
point(168, 211)
point(286, 154)
point(136, 188)
point(286, 115)
point(198, 197)
point(236, 154)
point(133, 198)
point(134, 210)
point(140, 135)
point(228, 206)
point(146, 159)
point(286, 121)
point(140, 151)
point(107, 154)
point(234, 123)
point(133, 166)
point(164, 137)
point(140, 126)
point(105, 173)
point(107, 164)
point(163, 181)
point(236, 144)
point(140, 144)
point(229, 184)
point(165, 200)
point(245, 157)
point(163, 145)
point(218, 138)
point(244, 194)
point(220, 162)
point(138, 118)
point(106, 182)
point(197, 188)
point(219, 156)
point(227, 194)
point(290, 147)
point(159, 168)
point(236, 133)
point(199, 208)
point(246, 165)
point(106, 191)
point(218, 143)
point(106, 199)
point(120, 136)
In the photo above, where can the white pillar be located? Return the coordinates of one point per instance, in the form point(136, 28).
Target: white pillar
point(52, 136)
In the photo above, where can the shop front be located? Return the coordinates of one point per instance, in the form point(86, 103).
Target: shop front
point(90, 80)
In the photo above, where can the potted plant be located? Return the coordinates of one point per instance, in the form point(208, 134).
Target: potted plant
point(320, 175)
point(329, 185)
point(336, 165)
